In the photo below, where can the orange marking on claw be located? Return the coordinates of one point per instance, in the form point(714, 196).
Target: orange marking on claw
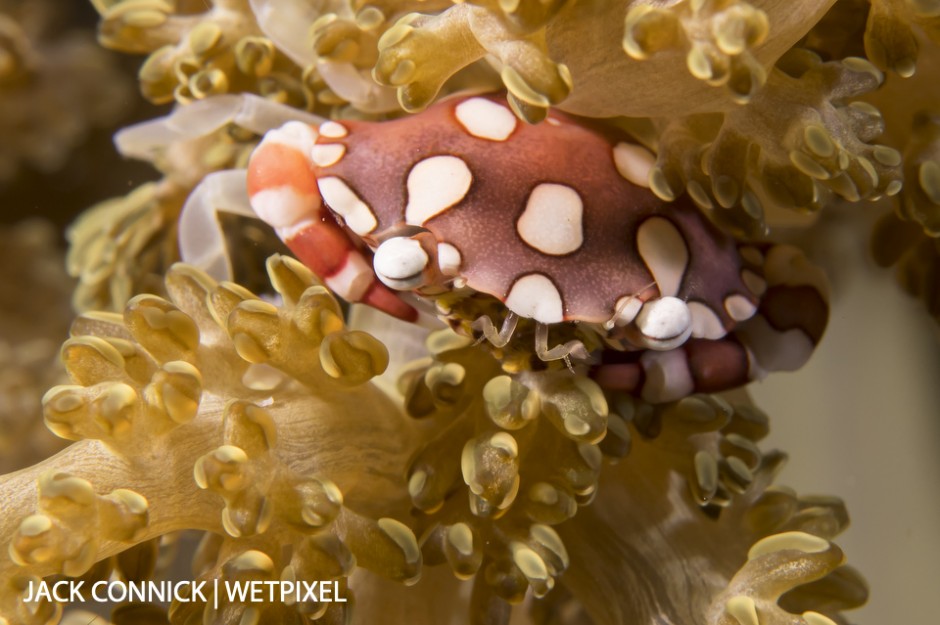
point(275, 165)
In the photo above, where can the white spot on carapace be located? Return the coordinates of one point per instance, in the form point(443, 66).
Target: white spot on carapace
point(706, 324)
point(739, 307)
point(345, 203)
point(293, 134)
point(665, 323)
point(284, 207)
point(434, 185)
point(353, 280)
point(333, 130)
point(754, 282)
point(326, 154)
point(667, 376)
point(552, 220)
point(664, 251)
point(399, 262)
point(448, 259)
point(634, 163)
point(551, 121)
point(535, 297)
point(625, 311)
point(486, 119)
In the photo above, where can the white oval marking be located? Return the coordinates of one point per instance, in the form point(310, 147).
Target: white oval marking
point(287, 233)
point(486, 119)
point(399, 262)
point(634, 163)
point(284, 207)
point(663, 250)
point(326, 154)
point(706, 324)
point(333, 130)
point(739, 307)
point(294, 134)
point(345, 203)
point(552, 220)
point(535, 297)
point(434, 185)
point(448, 259)
point(353, 280)
point(625, 311)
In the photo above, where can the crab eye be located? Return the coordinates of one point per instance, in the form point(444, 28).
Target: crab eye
point(400, 262)
point(664, 323)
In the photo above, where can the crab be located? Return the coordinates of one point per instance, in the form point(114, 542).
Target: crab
point(556, 223)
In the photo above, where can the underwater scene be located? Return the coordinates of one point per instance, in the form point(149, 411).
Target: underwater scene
point(484, 312)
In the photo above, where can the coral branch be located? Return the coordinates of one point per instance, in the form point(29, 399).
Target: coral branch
point(168, 401)
point(799, 142)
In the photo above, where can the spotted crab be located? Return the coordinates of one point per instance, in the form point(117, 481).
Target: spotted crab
point(555, 222)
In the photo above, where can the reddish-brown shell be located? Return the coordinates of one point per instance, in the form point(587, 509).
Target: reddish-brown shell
point(493, 171)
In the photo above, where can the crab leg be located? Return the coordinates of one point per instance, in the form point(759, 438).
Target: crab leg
point(575, 349)
point(283, 192)
point(498, 339)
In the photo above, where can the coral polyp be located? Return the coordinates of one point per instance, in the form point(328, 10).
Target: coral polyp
point(192, 378)
point(259, 408)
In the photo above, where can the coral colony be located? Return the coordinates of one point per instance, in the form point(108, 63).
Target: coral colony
point(531, 253)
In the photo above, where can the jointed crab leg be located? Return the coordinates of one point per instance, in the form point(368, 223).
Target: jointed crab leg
point(498, 339)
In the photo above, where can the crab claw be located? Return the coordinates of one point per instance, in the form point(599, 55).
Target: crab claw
point(284, 192)
point(779, 334)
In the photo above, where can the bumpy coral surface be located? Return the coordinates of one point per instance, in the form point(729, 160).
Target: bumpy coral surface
point(259, 408)
point(544, 442)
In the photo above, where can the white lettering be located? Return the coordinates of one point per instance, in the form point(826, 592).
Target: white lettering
point(157, 591)
point(310, 591)
point(136, 592)
point(75, 591)
point(65, 591)
point(236, 592)
point(287, 591)
point(196, 592)
point(120, 594)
